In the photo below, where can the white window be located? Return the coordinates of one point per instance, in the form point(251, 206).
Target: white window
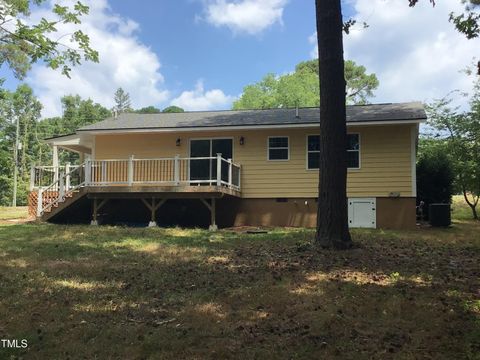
point(313, 152)
point(278, 148)
point(353, 151)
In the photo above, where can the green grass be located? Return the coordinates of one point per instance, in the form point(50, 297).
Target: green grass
point(9, 213)
point(111, 292)
point(460, 209)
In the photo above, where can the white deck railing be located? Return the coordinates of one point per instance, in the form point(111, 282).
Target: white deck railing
point(54, 184)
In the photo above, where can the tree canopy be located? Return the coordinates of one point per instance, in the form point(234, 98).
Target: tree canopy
point(122, 101)
point(148, 110)
point(301, 88)
point(459, 135)
point(23, 43)
point(173, 109)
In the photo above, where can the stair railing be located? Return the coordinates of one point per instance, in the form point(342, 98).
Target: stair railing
point(68, 182)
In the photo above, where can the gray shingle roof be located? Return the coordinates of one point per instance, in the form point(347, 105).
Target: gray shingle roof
point(355, 114)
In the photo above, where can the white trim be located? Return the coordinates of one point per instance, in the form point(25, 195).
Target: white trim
point(413, 149)
point(244, 127)
point(372, 201)
point(306, 152)
point(348, 168)
point(359, 152)
point(281, 148)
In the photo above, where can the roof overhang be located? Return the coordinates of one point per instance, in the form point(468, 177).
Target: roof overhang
point(79, 143)
point(245, 127)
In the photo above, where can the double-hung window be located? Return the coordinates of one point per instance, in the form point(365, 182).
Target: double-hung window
point(313, 151)
point(278, 148)
point(353, 151)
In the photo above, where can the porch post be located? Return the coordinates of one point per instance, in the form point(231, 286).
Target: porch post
point(88, 172)
point(130, 170)
point(67, 176)
point(39, 202)
point(61, 186)
point(55, 162)
point(229, 172)
point(176, 170)
point(219, 169)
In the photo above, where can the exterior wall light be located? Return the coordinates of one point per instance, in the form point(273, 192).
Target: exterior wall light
point(178, 142)
point(242, 140)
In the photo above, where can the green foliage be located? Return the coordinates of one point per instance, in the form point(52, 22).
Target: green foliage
point(173, 109)
point(148, 110)
point(435, 176)
point(77, 113)
point(461, 133)
point(301, 88)
point(21, 106)
point(23, 43)
point(122, 101)
point(24, 106)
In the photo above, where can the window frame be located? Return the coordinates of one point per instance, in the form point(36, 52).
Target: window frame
point(359, 153)
point(307, 152)
point(281, 148)
point(348, 168)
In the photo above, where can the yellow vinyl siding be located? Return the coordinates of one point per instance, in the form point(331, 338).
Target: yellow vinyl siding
point(385, 159)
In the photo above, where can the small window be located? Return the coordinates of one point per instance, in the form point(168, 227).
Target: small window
point(278, 148)
point(353, 151)
point(313, 152)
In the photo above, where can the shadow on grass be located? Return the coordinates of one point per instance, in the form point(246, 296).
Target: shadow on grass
point(140, 293)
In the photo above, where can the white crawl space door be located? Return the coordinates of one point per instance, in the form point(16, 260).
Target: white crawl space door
point(362, 213)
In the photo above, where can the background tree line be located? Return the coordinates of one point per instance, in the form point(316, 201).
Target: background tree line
point(21, 105)
point(449, 153)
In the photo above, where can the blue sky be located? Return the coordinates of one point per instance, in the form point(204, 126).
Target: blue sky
point(199, 54)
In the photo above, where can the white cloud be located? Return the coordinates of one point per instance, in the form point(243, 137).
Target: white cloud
point(199, 99)
point(124, 62)
point(245, 16)
point(415, 52)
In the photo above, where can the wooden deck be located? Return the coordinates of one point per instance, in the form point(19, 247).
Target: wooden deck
point(151, 180)
point(161, 192)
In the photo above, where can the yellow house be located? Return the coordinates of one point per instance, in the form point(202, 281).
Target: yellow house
point(231, 168)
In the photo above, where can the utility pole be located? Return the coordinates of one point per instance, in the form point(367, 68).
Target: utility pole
point(15, 162)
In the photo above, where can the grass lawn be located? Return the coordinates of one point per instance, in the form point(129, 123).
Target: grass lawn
point(10, 213)
point(129, 293)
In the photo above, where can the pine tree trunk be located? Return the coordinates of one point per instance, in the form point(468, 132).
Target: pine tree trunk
point(332, 215)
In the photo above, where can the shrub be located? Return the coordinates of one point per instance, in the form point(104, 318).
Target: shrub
point(435, 178)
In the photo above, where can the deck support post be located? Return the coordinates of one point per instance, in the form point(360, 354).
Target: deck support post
point(212, 207)
point(96, 207)
point(153, 207)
